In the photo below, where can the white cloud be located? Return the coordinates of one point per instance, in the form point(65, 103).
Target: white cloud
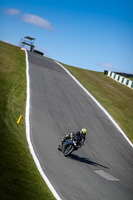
point(11, 11)
point(31, 19)
point(37, 21)
point(106, 65)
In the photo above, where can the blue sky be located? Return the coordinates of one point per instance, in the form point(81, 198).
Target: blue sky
point(90, 34)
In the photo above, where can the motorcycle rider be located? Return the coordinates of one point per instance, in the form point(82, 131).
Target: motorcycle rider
point(78, 137)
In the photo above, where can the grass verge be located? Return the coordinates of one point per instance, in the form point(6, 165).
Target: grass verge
point(19, 177)
point(116, 98)
point(131, 78)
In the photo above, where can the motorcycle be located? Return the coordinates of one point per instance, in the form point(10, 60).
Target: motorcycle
point(68, 146)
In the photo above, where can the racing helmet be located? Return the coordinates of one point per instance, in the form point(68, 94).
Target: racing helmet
point(83, 132)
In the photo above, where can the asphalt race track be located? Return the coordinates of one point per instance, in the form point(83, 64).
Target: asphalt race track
point(100, 170)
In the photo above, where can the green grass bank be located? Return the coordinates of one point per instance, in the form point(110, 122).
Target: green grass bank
point(19, 177)
point(131, 78)
point(116, 98)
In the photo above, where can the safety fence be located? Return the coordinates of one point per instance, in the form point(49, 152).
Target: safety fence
point(120, 79)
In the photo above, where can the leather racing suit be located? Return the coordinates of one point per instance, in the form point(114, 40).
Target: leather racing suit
point(75, 136)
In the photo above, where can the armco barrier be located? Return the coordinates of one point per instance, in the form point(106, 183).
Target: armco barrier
point(120, 79)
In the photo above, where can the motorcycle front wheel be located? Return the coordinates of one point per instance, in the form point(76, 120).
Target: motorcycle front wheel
point(69, 149)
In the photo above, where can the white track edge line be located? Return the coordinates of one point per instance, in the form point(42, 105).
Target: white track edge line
point(28, 133)
point(98, 105)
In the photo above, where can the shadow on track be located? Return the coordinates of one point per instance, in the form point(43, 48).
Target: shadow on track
point(85, 160)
